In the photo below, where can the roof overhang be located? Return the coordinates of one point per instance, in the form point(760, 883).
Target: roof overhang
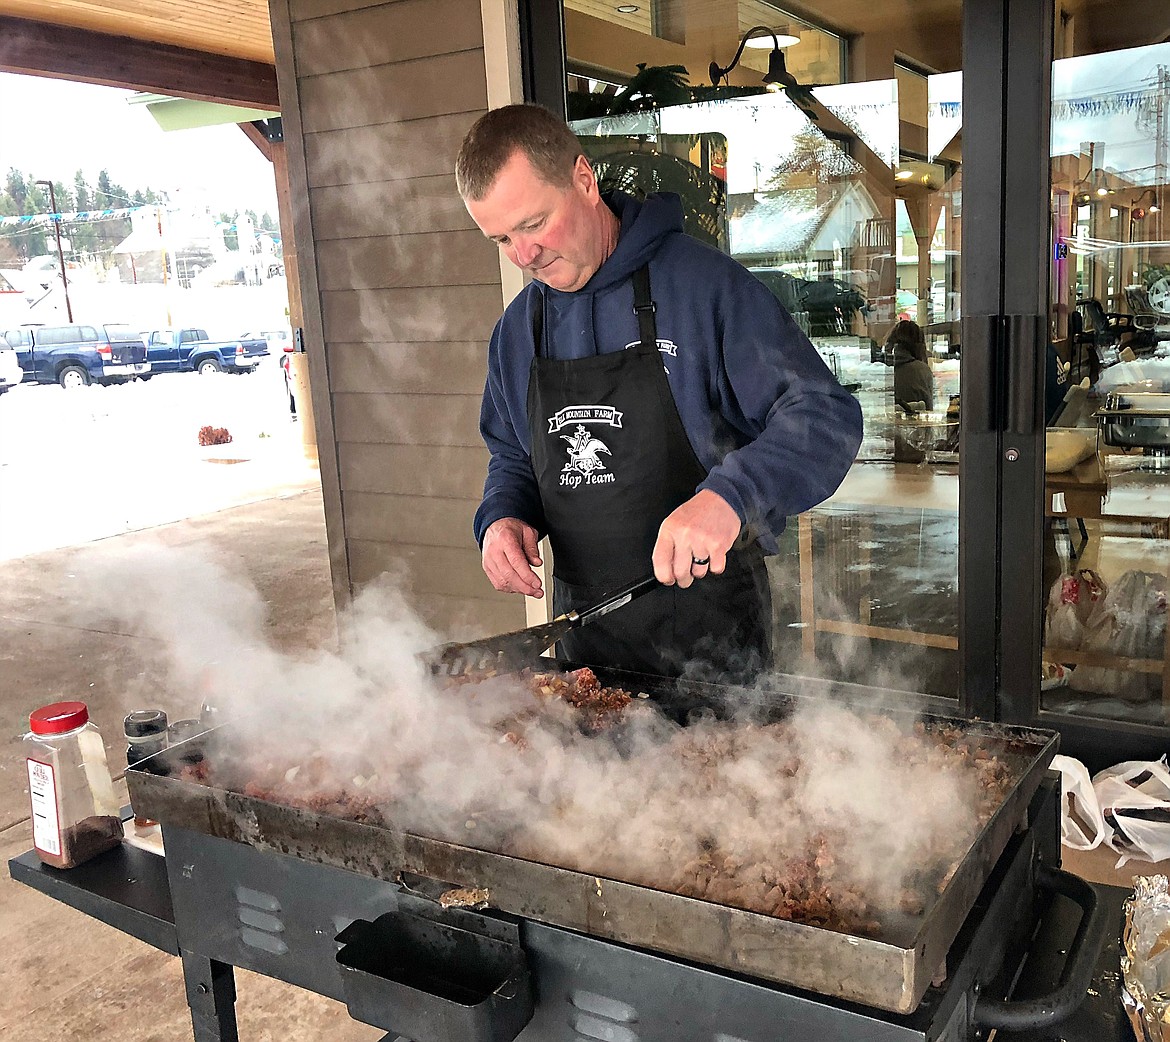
point(68, 52)
point(186, 114)
point(234, 28)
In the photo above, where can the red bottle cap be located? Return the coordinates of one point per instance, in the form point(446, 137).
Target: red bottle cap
point(58, 717)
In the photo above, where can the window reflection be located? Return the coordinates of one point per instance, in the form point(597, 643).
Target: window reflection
point(605, 35)
point(842, 193)
point(1107, 490)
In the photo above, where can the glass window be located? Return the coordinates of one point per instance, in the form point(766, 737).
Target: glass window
point(838, 184)
point(1107, 486)
point(59, 335)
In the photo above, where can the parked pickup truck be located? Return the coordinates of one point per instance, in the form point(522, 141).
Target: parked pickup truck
point(76, 355)
point(190, 350)
point(10, 372)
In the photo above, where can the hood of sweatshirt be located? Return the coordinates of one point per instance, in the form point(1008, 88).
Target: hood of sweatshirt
point(644, 224)
point(902, 355)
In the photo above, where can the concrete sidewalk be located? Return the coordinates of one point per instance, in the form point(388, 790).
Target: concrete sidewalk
point(65, 975)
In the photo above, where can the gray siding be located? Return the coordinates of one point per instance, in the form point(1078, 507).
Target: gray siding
point(400, 291)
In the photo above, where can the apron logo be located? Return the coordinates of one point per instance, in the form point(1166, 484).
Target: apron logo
point(585, 463)
point(584, 414)
point(666, 347)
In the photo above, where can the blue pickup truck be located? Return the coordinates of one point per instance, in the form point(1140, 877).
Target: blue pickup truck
point(191, 351)
point(76, 355)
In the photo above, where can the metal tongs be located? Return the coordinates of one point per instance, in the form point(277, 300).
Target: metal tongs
point(509, 652)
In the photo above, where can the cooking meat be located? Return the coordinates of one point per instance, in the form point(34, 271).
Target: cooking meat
point(599, 706)
point(766, 845)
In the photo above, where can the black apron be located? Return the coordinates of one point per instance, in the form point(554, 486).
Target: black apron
point(612, 460)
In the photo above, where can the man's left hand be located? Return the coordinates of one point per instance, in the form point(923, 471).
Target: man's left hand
point(701, 530)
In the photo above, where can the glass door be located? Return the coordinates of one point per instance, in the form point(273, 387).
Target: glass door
point(824, 151)
point(983, 181)
point(1105, 502)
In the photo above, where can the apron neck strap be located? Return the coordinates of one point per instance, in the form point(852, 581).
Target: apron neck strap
point(538, 326)
point(644, 308)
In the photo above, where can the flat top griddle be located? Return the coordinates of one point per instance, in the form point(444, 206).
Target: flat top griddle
point(891, 970)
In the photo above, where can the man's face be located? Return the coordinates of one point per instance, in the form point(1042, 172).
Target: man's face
point(557, 235)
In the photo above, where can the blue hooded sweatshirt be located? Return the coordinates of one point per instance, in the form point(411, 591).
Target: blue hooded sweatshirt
point(763, 414)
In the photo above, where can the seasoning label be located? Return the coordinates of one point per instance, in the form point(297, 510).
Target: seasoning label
point(42, 787)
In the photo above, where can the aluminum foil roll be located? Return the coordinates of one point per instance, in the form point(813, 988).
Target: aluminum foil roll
point(1145, 959)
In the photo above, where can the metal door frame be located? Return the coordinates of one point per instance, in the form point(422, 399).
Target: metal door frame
point(1018, 342)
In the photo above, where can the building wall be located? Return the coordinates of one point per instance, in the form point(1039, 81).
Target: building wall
point(400, 290)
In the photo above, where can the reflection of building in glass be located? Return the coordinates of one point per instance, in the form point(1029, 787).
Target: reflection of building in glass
point(1109, 174)
point(809, 235)
point(603, 35)
point(819, 187)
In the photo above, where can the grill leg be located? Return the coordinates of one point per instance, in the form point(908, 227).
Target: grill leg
point(211, 994)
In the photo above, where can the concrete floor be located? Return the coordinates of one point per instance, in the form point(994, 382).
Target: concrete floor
point(65, 975)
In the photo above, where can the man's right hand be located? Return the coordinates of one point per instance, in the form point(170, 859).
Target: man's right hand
point(510, 555)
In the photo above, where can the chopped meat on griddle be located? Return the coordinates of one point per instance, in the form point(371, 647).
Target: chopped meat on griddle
point(599, 706)
point(802, 873)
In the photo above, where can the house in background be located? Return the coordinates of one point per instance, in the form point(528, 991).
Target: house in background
point(196, 248)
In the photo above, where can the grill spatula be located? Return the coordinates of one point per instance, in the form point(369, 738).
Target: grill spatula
point(509, 652)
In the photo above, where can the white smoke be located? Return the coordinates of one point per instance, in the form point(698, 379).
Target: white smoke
point(490, 765)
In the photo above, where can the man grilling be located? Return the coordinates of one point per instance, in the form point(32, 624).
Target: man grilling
point(649, 406)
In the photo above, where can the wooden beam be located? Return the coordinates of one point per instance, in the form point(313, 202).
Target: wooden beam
point(42, 49)
point(256, 136)
point(275, 153)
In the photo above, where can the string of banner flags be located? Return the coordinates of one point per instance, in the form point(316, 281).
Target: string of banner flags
point(1108, 103)
point(38, 220)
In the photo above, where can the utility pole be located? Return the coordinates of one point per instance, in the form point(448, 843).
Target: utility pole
point(60, 254)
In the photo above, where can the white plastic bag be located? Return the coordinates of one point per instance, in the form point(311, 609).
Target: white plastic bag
point(1082, 825)
point(1146, 374)
point(1070, 602)
point(1133, 796)
point(1129, 623)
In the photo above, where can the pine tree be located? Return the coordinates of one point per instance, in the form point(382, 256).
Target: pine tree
point(119, 195)
point(102, 197)
point(81, 192)
point(36, 199)
point(21, 196)
point(17, 189)
point(231, 238)
point(64, 197)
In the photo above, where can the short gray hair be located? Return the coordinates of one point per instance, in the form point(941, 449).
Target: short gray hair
point(544, 138)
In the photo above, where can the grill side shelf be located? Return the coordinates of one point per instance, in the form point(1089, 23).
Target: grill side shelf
point(125, 887)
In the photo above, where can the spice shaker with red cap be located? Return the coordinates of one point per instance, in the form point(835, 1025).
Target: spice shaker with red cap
point(75, 814)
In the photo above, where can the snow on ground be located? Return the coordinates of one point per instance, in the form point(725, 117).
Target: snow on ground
point(84, 464)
